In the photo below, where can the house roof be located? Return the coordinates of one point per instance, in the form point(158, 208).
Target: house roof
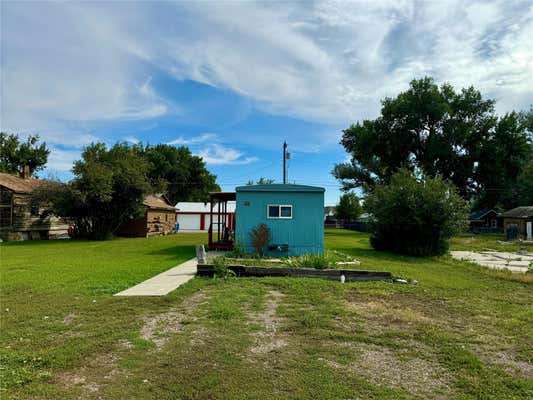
point(200, 207)
point(18, 184)
point(222, 196)
point(519, 212)
point(278, 187)
point(478, 214)
point(158, 202)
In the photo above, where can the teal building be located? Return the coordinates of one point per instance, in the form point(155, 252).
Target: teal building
point(293, 213)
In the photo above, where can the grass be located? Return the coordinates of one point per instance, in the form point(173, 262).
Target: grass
point(463, 332)
point(486, 242)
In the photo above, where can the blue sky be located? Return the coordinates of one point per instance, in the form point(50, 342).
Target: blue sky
point(233, 80)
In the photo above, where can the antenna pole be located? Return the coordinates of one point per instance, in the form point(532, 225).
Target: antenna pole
point(284, 162)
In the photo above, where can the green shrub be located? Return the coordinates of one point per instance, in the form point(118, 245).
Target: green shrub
point(415, 217)
point(316, 261)
point(221, 268)
point(237, 252)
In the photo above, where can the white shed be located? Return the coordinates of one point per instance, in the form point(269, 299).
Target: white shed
point(195, 216)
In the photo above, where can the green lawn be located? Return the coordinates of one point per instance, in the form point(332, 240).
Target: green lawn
point(486, 242)
point(463, 332)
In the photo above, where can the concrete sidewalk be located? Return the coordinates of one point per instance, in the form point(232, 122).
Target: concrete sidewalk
point(496, 259)
point(165, 282)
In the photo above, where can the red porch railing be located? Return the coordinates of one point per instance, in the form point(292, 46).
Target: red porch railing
point(221, 230)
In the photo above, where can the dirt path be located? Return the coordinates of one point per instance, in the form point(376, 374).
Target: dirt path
point(269, 338)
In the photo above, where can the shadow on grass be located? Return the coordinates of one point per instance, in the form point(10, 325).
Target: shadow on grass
point(178, 250)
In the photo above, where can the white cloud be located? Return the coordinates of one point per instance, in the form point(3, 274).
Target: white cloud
point(131, 139)
point(59, 67)
point(71, 139)
point(206, 137)
point(216, 154)
point(324, 61)
point(62, 160)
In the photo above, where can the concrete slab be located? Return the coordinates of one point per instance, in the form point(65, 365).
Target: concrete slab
point(496, 260)
point(165, 282)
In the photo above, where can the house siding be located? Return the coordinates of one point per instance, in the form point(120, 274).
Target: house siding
point(22, 224)
point(304, 233)
point(520, 222)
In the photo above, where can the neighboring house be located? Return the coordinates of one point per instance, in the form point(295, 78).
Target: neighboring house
point(485, 221)
point(330, 221)
point(294, 214)
point(520, 218)
point(363, 218)
point(20, 218)
point(329, 213)
point(158, 219)
point(195, 216)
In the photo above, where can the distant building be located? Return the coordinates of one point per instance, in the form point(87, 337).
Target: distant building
point(159, 219)
point(329, 212)
point(20, 217)
point(196, 216)
point(485, 221)
point(520, 218)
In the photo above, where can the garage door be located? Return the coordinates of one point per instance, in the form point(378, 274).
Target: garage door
point(189, 221)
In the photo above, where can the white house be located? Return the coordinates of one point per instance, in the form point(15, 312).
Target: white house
point(195, 216)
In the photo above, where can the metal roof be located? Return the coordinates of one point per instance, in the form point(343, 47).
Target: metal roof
point(519, 212)
point(278, 187)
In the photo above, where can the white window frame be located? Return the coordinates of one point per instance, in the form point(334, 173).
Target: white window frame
point(279, 211)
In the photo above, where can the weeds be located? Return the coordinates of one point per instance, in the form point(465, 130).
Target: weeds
point(317, 261)
point(221, 268)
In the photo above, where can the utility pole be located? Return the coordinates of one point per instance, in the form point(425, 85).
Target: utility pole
point(284, 162)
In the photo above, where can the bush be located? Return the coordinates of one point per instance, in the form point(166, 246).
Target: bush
point(260, 238)
point(238, 251)
point(221, 268)
point(316, 261)
point(415, 217)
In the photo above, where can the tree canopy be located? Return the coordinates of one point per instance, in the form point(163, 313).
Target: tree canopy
point(15, 154)
point(436, 131)
point(108, 188)
point(261, 181)
point(179, 173)
point(348, 208)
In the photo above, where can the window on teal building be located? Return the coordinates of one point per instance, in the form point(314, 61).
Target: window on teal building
point(279, 211)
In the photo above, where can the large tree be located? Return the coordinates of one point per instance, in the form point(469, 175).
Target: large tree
point(348, 208)
point(108, 188)
point(177, 172)
point(16, 154)
point(432, 131)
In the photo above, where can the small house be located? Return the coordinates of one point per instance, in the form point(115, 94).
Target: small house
point(293, 213)
point(21, 218)
point(159, 219)
point(519, 219)
point(485, 221)
point(196, 216)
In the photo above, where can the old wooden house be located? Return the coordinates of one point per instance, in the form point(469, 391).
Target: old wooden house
point(21, 218)
point(158, 219)
point(485, 221)
point(519, 219)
